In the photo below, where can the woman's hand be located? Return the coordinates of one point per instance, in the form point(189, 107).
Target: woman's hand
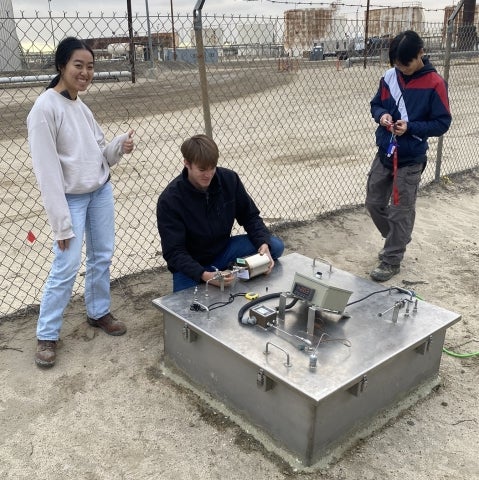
point(63, 244)
point(128, 145)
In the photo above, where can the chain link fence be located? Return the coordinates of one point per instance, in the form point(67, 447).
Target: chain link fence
point(289, 112)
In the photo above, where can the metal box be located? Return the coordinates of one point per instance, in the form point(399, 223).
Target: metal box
point(310, 395)
point(322, 294)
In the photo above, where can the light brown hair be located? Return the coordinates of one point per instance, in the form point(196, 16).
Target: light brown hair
point(200, 150)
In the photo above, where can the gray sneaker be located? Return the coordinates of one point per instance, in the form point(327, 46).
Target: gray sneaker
point(384, 271)
point(45, 355)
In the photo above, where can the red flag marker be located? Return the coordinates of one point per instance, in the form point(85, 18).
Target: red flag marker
point(31, 236)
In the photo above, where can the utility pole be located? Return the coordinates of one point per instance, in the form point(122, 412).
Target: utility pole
point(366, 33)
point(150, 44)
point(173, 30)
point(132, 44)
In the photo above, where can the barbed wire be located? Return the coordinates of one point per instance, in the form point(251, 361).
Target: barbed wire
point(341, 4)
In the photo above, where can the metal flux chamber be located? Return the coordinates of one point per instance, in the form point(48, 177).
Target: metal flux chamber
point(314, 378)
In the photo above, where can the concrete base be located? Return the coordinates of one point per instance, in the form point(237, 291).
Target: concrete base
point(334, 452)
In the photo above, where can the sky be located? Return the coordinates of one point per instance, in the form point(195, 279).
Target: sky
point(434, 9)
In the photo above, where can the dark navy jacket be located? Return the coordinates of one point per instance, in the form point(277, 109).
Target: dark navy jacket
point(195, 226)
point(421, 100)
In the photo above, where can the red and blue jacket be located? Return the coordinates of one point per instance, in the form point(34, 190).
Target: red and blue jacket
point(422, 100)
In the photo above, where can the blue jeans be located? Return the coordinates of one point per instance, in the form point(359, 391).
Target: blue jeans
point(239, 246)
point(92, 217)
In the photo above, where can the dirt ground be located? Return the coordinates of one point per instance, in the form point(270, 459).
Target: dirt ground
point(107, 411)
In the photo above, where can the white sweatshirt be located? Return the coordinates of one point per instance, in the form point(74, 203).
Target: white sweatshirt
point(69, 154)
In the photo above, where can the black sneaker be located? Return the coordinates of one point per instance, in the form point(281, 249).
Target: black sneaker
point(384, 271)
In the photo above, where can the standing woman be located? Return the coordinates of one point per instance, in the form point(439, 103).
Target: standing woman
point(72, 161)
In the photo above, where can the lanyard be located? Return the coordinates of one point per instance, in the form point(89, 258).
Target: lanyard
point(393, 151)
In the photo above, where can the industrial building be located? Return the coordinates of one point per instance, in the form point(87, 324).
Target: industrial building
point(306, 26)
point(392, 20)
point(323, 28)
point(212, 37)
point(256, 33)
point(258, 40)
point(448, 12)
point(119, 46)
point(464, 36)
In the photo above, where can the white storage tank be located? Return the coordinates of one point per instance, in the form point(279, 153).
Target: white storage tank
point(255, 33)
point(392, 20)
point(121, 50)
point(11, 57)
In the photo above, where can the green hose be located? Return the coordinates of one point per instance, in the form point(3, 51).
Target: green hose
point(455, 354)
point(460, 355)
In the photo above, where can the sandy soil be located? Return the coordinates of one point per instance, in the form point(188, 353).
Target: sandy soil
point(106, 410)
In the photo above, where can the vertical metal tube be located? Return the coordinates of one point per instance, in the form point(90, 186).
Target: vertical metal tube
point(397, 306)
point(150, 44)
point(51, 24)
point(366, 33)
point(200, 53)
point(173, 30)
point(131, 54)
point(447, 68)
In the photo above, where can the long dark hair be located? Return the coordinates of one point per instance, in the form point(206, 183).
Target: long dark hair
point(63, 54)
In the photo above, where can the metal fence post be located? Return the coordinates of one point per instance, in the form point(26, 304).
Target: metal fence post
point(200, 53)
point(447, 68)
point(131, 54)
